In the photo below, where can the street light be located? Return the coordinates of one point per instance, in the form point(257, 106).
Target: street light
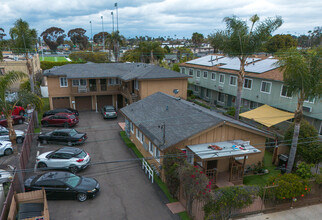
point(117, 17)
point(103, 34)
point(112, 20)
point(91, 35)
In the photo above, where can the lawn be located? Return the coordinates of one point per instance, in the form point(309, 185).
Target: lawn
point(262, 179)
point(53, 59)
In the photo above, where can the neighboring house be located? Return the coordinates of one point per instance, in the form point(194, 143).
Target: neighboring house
point(12, 62)
point(161, 121)
point(91, 86)
point(171, 58)
point(214, 79)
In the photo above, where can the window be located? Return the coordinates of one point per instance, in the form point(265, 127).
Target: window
point(137, 133)
point(150, 148)
point(207, 93)
point(311, 100)
point(198, 73)
point(79, 82)
point(233, 81)
point(285, 92)
point(63, 82)
point(190, 72)
point(136, 84)
point(205, 74)
point(75, 82)
point(221, 97)
point(132, 127)
point(183, 70)
point(83, 82)
point(266, 87)
point(222, 78)
point(196, 88)
point(142, 138)
point(213, 76)
point(156, 154)
point(248, 83)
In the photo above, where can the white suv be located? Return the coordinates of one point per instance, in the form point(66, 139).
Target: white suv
point(5, 148)
point(4, 135)
point(71, 158)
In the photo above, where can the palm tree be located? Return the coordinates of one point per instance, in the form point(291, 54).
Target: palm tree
point(240, 41)
point(114, 41)
point(303, 77)
point(24, 38)
point(6, 81)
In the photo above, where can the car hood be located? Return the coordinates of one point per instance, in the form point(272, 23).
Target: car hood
point(86, 184)
point(19, 133)
point(28, 181)
point(42, 156)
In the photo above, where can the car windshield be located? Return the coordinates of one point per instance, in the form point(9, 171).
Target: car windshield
point(109, 110)
point(72, 117)
point(82, 154)
point(72, 132)
point(72, 180)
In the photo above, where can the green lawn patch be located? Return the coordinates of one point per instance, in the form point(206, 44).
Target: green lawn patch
point(261, 180)
point(37, 130)
point(53, 59)
point(163, 187)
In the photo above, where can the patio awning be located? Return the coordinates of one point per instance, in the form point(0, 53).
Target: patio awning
point(267, 115)
point(223, 149)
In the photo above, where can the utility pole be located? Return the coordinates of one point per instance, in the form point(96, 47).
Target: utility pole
point(112, 21)
point(117, 17)
point(92, 35)
point(103, 34)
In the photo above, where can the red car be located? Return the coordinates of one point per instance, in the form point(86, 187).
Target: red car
point(18, 110)
point(17, 119)
point(60, 119)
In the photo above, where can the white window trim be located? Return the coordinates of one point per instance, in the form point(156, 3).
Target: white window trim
point(230, 80)
point(75, 80)
point(189, 72)
point(223, 82)
point(131, 127)
point(270, 88)
point(251, 86)
point(137, 134)
point(142, 138)
point(307, 101)
point(212, 75)
point(203, 74)
point(286, 93)
point(155, 149)
point(66, 81)
point(151, 146)
point(197, 74)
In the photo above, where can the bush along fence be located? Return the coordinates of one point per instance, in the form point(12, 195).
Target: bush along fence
point(17, 183)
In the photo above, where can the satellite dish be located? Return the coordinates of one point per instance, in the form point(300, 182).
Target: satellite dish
point(176, 91)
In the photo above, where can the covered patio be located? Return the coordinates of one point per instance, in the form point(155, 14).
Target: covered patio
point(222, 162)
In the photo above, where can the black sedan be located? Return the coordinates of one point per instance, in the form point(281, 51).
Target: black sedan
point(61, 110)
point(63, 185)
point(66, 136)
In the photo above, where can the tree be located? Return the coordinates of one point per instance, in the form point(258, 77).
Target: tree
point(197, 39)
point(241, 41)
point(302, 76)
point(24, 96)
point(315, 37)
point(216, 40)
point(280, 42)
point(53, 37)
point(151, 51)
point(114, 41)
point(23, 37)
point(77, 36)
point(98, 38)
point(2, 34)
point(131, 56)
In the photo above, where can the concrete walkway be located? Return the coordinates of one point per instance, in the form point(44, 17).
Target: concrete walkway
point(310, 213)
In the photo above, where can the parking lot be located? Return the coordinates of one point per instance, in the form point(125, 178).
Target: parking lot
point(126, 192)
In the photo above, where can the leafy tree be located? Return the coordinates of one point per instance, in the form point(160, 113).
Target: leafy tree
point(167, 49)
point(315, 37)
point(2, 34)
point(308, 147)
point(151, 51)
point(216, 40)
point(78, 37)
point(175, 67)
point(197, 39)
point(280, 42)
point(53, 37)
point(302, 76)
point(24, 96)
point(114, 42)
point(98, 38)
point(23, 37)
point(241, 41)
point(131, 56)
point(95, 57)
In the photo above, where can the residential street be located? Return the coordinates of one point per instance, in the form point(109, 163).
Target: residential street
point(126, 192)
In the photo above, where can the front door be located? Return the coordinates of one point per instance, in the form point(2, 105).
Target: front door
point(229, 100)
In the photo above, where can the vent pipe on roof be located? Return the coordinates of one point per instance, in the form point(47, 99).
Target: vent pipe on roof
point(253, 61)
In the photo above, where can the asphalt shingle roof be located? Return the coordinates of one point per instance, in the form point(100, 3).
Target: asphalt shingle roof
point(182, 119)
point(124, 71)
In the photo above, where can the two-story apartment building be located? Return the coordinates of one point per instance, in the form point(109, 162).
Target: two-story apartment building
point(214, 79)
point(91, 86)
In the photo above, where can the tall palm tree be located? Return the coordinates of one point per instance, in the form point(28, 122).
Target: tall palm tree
point(6, 82)
point(23, 37)
point(114, 42)
point(303, 77)
point(241, 41)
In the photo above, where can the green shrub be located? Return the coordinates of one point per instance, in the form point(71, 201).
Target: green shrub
point(231, 111)
point(189, 92)
point(304, 170)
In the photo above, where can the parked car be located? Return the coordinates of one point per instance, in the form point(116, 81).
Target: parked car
point(70, 158)
point(16, 119)
point(18, 110)
point(108, 111)
point(64, 185)
point(60, 119)
point(4, 135)
point(61, 110)
point(6, 148)
point(5, 176)
point(67, 136)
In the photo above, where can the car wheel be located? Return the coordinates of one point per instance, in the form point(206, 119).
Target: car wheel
point(45, 124)
point(21, 113)
point(73, 169)
point(41, 165)
point(20, 121)
point(44, 141)
point(69, 143)
point(81, 197)
point(66, 125)
point(19, 140)
point(8, 152)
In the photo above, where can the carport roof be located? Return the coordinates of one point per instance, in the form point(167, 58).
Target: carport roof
point(182, 119)
point(124, 71)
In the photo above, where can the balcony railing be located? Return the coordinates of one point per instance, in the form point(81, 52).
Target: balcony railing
point(82, 89)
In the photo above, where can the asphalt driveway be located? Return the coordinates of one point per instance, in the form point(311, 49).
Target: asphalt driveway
point(126, 192)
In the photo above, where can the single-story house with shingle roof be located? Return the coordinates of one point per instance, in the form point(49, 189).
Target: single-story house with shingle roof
point(92, 85)
point(219, 144)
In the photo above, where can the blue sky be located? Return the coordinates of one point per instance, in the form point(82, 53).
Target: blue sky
point(174, 18)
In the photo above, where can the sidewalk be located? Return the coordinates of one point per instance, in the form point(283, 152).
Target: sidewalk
point(309, 212)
